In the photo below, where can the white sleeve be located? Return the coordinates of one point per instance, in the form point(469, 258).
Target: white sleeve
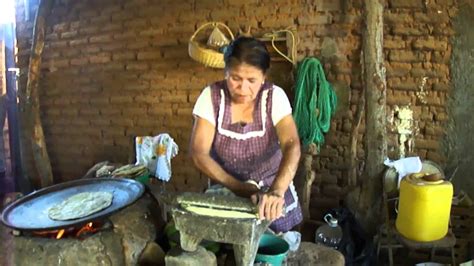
point(281, 106)
point(203, 107)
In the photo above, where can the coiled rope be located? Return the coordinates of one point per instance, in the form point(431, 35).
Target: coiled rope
point(315, 102)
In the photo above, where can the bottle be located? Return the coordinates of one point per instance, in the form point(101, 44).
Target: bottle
point(329, 234)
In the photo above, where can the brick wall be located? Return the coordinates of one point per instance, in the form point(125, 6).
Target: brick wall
point(116, 69)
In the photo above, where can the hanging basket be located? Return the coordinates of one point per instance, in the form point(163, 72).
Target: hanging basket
point(203, 55)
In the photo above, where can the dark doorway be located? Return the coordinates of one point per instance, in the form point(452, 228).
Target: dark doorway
point(10, 164)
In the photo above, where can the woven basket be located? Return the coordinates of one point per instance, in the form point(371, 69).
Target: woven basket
point(203, 55)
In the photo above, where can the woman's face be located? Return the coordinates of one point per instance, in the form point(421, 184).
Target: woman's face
point(244, 82)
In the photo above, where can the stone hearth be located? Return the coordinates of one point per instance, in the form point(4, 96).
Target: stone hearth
point(134, 230)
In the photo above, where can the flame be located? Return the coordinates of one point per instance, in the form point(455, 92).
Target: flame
point(87, 228)
point(60, 234)
point(71, 231)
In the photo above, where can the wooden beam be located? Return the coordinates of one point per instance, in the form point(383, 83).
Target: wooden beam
point(375, 119)
point(29, 100)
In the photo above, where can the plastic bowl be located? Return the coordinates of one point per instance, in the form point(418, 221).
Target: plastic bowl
point(272, 250)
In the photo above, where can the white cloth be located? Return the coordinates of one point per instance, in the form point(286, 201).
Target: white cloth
point(293, 238)
point(156, 153)
point(281, 106)
point(405, 166)
point(163, 169)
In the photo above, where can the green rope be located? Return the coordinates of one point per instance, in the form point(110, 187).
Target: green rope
point(313, 92)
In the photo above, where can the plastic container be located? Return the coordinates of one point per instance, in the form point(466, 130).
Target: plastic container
point(424, 208)
point(329, 234)
point(144, 179)
point(271, 250)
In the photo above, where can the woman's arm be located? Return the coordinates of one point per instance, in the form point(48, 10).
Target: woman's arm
point(271, 203)
point(290, 147)
point(200, 147)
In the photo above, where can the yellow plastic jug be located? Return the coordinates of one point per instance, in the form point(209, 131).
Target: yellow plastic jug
point(424, 208)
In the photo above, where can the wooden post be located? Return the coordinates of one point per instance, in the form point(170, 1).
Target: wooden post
point(375, 95)
point(309, 176)
point(29, 100)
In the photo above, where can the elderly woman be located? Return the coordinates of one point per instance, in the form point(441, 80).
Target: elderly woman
point(245, 138)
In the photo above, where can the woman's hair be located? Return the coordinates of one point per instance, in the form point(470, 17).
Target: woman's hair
point(249, 51)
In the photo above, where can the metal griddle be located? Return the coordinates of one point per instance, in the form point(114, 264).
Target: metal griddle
point(31, 211)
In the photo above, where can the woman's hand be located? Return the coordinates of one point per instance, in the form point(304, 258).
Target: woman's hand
point(246, 190)
point(270, 205)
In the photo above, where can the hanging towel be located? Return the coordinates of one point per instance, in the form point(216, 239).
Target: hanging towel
point(156, 153)
point(166, 150)
point(405, 166)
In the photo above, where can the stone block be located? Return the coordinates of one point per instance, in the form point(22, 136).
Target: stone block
point(314, 254)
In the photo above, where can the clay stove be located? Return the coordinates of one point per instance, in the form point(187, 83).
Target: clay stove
point(116, 238)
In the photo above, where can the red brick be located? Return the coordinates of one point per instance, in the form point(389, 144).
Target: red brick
point(149, 55)
point(314, 19)
point(430, 43)
point(123, 55)
point(61, 27)
point(122, 121)
point(427, 144)
point(397, 18)
point(59, 44)
point(406, 56)
point(89, 111)
point(159, 109)
point(90, 49)
point(125, 35)
point(110, 110)
point(134, 111)
point(79, 61)
point(101, 38)
point(151, 32)
point(412, 30)
point(137, 66)
point(100, 122)
point(119, 99)
point(89, 30)
point(99, 58)
point(398, 69)
point(406, 3)
point(112, 46)
point(112, 27)
point(138, 44)
point(394, 43)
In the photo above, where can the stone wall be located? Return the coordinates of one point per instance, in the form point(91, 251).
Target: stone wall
point(116, 69)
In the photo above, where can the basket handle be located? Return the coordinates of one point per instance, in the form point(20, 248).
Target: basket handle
point(214, 24)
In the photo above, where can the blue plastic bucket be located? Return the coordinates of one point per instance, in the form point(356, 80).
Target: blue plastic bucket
point(272, 250)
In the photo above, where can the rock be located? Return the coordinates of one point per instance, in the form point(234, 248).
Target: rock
point(313, 254)
point(153, 254)
point(179, 257)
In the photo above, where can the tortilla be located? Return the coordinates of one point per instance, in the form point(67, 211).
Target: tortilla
point(80, 205)
point(220, 213)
